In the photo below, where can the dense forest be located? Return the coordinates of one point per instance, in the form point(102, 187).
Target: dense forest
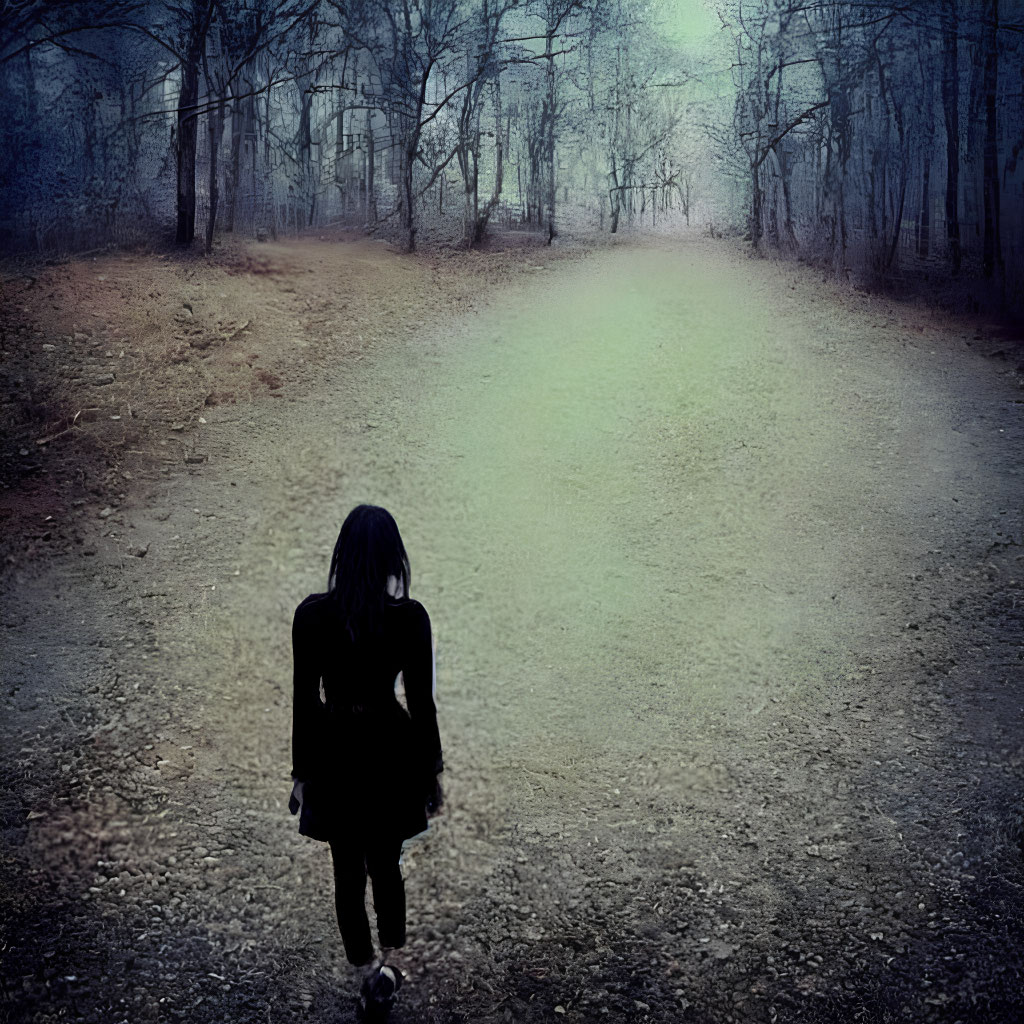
point(879, 137)
point(886, 135)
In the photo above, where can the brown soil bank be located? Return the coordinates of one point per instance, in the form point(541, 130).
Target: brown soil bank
point(724, 567)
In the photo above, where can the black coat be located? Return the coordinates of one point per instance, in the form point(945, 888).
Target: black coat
point(368, 764)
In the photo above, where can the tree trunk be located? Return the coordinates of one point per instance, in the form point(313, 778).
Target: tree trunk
point(371, 198)
point(305, 157)
point(339, 152)
point(787, 200)
point(483, 216)
point(615, 198)
point(950, 106)
point(549, 148)
point(409, 212)
point(756, 205)
point(897, 223)
point(903, 176)
point(468, 150)
point(187, 133)
point(535, 183)
point(215, 127)
point(270, 200)
point(925, 218)
point(235, 171)
point(992, 256)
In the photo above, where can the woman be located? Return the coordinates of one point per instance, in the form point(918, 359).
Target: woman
point(365, 769)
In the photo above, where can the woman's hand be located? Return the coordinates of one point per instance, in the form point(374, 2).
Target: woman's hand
point(435, 799)
point(298, 795)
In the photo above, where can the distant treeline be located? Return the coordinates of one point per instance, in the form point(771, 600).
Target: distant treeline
point(882, 135)
point(274, 115)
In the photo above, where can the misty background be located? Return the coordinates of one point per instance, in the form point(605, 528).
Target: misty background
point(879, 138)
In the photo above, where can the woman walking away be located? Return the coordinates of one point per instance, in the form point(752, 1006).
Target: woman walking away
point(365, 769)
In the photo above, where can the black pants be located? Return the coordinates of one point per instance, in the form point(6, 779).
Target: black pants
point(353, 859)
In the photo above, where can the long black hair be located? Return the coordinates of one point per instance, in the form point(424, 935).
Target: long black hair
point(369, 550)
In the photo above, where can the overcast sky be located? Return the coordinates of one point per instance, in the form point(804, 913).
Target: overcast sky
point(691, 20)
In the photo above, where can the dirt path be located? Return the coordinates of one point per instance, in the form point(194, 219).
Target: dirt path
point(724, 570)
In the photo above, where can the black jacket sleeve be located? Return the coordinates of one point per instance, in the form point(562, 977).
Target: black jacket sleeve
point(307, 708)
point(418, 673)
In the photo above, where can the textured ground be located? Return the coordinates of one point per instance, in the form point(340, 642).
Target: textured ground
point(724, 567)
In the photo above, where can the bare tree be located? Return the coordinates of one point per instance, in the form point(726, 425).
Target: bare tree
point(484, 82)
point(992, 252)
point(633, 104)
point(184, 34)
point(555, 14)
point(415, 47)
point(951, 110)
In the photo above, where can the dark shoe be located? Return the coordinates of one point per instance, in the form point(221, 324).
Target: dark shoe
point(377, 995)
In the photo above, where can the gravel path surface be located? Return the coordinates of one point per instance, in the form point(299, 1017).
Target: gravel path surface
point(724, 566)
